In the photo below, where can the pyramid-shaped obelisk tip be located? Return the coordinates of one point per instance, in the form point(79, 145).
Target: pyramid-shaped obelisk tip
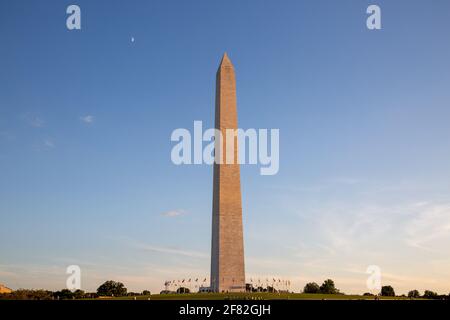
point(226, 62)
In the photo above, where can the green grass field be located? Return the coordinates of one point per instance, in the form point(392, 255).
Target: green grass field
point(253, 296)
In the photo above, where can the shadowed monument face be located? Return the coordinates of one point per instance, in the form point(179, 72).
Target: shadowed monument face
point(227, 248)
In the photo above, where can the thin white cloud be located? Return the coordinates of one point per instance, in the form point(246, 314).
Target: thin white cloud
point(169, 250)
point(88, 119)
point(33, 120)
point(48, 143)
point(37, 122)
point(407, 236)
point(174, 213)
point(429, 226)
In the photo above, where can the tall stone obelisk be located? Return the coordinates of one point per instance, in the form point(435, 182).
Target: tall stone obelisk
point(227, 248)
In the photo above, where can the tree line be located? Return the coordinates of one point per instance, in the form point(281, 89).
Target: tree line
point(117, 289)
point(328, 287)
point(107, 289)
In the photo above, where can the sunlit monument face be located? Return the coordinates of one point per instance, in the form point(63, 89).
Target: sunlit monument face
point(227, 252)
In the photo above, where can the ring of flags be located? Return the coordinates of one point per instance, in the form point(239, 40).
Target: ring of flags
point(274, 282)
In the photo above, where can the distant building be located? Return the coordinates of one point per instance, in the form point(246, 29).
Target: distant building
point(4, 289)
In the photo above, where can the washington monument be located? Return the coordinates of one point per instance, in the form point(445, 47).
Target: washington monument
point(227, 245)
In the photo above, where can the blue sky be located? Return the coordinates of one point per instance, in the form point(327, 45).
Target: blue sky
point(86, 118)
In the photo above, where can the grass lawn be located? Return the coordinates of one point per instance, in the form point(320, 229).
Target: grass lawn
point(252, 296)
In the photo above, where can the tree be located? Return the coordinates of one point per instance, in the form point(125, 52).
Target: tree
point(146, 293)
point(78, 294)
point(430, 294)
point(311, 287)
point(112, 288)
point(64, 294)
point(25, 294)
point(91, 295)
point(387, 291)
point(413, 294)
point(328, 287)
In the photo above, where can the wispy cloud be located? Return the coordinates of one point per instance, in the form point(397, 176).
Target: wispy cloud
point(88, 119)
point(429, 226)
point(33, 120)
point(48, 143)
point(44, 145)
point(133, 243)
point(397, 226)
point(419, 225)
point(173, 213)
point(171, 250)
point(320, 186)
